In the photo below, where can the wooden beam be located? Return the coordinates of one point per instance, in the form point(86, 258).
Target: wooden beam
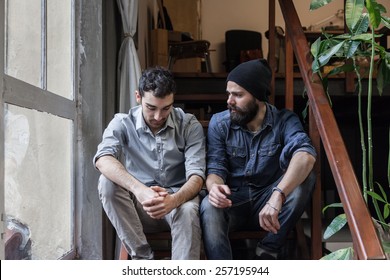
point(289, 79)
point(271, 47)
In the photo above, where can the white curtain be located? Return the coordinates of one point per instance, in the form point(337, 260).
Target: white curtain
point(129, 69)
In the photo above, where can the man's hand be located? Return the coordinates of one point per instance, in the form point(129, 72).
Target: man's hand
point(161, 205)
point(159, 190)
point(218, 196)
point(268, 216)
point(145, 193)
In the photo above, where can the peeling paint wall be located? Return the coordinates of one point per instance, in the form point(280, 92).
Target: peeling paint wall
point(89, 44)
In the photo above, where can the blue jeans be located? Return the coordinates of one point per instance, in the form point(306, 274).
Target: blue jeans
point(244, 215)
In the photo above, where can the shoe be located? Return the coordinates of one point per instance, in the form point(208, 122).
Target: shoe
point(263, 254)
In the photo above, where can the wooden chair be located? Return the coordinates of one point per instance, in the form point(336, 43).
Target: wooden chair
point(238, 42)
point(189, 49)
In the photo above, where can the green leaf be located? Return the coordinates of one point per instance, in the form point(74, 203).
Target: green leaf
point(386, 211)
point(329, 53)
point(374, 11)
point(381, 8)
point(366, 37)
point(337, 224)
point(386, 246)
point(362, 25)
point(305, 111)
point(353, 12)
point(375, 196)
point(383, 78)
point(341, 254)
point(384, 195)
point(315, 4)
point(386, 21)
point(315, 50)
point(351, 49)
point(315, 66)
point(333, 205)
point(339, 38)
point(315, 47)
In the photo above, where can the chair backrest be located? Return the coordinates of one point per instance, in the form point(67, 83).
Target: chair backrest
point(189, 49)
point(237, 41)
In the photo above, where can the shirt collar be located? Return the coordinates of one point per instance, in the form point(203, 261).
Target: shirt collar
point(268, 118)
point(141, 124)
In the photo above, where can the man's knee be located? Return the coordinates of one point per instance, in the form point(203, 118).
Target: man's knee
point(209, 213)
point(205, 206)
point(307, 187)
point(301, 195)
point(106, 187)
point(189, 208)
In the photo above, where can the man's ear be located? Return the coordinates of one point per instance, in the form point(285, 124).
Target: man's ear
point(138, 97)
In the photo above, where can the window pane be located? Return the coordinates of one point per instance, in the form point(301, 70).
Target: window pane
point(23, 40)
point(59, 44)
point(38, 184)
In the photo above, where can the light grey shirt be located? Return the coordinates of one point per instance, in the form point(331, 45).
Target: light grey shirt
point(166, 159)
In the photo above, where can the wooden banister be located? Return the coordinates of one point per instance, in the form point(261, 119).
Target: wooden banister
point(365, 239)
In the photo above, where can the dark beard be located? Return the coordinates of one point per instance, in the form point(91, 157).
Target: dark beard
point(244, 115)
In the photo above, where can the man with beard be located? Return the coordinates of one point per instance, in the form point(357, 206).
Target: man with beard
point(153, 165)
point(259, 167)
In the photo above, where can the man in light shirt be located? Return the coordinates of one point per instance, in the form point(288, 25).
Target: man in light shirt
point(152, 162)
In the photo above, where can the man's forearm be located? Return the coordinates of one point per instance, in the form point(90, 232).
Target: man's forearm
point(299, 168)
point(213, 179)
point(189, 190)
point(114, 170)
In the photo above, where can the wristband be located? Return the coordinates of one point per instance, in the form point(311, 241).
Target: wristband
point(276, 209)
point(281, 192)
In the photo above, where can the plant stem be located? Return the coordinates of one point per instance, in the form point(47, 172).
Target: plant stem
point(369, 113)
point(362, 141)
point(388, 163)
point(369, 127)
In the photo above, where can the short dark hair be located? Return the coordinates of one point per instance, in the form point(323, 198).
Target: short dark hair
point(158, 80)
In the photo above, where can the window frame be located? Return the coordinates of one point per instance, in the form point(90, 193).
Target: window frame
point(22, 94)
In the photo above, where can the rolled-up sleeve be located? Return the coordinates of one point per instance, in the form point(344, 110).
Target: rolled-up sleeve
point(217, 162)
point(195, 150)
point(295, 140)
point(112, 140)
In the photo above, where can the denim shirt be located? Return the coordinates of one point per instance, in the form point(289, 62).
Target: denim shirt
point(167, 158)
point(241, 157)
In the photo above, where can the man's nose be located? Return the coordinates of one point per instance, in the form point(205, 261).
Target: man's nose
point(230, 99)
point(158, 116)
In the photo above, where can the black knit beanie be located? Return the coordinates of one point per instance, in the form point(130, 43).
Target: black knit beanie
point(254, 76)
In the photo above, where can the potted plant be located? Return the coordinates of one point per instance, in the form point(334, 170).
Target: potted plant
point(360, 53)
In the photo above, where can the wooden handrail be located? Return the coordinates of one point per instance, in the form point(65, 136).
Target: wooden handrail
point(364, 237)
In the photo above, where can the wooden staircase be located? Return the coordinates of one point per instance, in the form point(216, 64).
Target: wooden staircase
point(204, 94)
